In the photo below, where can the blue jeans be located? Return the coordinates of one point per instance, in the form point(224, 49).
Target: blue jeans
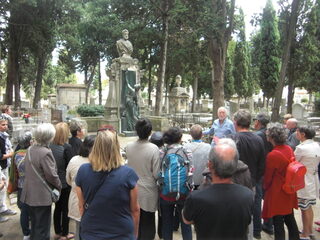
point(167, 210)
point(257, 226)
point(24, 215)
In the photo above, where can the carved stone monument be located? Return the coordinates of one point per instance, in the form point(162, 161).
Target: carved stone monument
point(178, 98)
point(124, 103)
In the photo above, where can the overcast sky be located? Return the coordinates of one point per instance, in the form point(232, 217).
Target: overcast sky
point(250, 7)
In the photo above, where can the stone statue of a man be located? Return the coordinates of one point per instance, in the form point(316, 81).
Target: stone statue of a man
point(124, 46)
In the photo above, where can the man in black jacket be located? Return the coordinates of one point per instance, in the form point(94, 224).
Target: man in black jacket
point(260, 124)
point(251, 152)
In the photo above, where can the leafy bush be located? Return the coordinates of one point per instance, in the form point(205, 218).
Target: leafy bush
point(304, 100)
point(90, 110)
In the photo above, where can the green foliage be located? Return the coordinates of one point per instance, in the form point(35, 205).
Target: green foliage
point(90, 110)
point(306, 55)
point(229, 88)
point(241, 61)
point(269, 57)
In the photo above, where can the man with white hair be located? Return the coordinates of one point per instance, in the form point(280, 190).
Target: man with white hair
point(292, 140)
point(223, 210)
point(221, 127)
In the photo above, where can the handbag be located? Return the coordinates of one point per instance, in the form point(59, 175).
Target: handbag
point(13, 175)
point(55, 193)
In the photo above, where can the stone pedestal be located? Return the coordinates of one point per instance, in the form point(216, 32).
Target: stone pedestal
point(159, 123)
point(124, 71)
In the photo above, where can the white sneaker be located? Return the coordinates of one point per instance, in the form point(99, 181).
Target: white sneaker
point(26, 237)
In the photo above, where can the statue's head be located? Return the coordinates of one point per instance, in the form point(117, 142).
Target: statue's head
point(125, 34)
point(178, 80)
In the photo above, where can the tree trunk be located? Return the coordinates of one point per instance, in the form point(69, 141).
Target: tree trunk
point(17, 84)
point(218, 45)
point(40, 70)
point(290, 87)
point(285, 58)
point(89, 81)
point(195, 93)
point(11, 76)
point(100, 83)
point(159, 95)
point(218, 62)
point(149, 83)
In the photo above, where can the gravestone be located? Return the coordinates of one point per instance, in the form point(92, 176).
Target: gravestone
point(233, 107)
point(124, 103)
point(178, 98)
point(298, 111)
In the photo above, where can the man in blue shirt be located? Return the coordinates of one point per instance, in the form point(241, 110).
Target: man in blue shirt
point(221, 127)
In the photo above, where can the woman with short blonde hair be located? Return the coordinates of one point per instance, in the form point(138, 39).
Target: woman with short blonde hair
point(62, 133)
point(107, 192)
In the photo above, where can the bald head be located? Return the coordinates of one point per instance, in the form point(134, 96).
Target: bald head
point(292, 123)
point(224, 158)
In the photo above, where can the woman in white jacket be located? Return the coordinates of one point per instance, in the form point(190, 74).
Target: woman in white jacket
point(72, 171)
point(308, 153)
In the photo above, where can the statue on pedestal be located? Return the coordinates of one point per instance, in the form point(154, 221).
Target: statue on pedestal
point(124, 46)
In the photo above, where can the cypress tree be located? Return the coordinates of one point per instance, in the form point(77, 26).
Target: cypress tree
point(269, 51)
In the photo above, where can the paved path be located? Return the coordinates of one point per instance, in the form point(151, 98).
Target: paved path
point(12, 231)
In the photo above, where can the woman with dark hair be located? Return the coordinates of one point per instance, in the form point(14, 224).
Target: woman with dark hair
point(143, 157)
point(172, 137)
point(72, 170)
point(18, 166)
point(308, 153)
point(62, 152)
point(278, 204)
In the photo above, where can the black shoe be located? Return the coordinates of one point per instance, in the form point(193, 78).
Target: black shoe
point(1, 235)
point(267, 230)
point(257, 235)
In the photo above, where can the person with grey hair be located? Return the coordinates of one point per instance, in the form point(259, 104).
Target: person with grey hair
point(223, 210)
point(252, 152)
point(200, 151)
point(221, 127)
point(278, 204)
point(39, 158)
point(292, 140)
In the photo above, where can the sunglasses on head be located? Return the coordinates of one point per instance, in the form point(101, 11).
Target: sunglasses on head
point(111, 129)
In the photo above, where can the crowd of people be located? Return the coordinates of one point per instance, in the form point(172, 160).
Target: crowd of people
point(217, 187)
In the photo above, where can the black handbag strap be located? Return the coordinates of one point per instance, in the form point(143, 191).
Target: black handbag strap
point(91, 196)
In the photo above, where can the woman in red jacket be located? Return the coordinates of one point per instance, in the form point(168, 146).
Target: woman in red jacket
point(277, 203)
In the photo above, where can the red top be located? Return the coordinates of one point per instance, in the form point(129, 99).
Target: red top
point(276, 201)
